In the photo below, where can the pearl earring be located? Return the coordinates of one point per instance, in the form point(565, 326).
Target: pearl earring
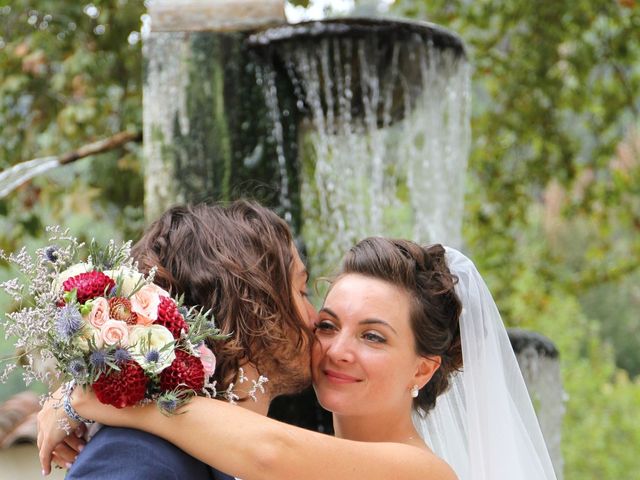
point(414, 391)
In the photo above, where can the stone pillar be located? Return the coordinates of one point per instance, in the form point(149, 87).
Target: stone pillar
point(206, 126)
point(540, 366)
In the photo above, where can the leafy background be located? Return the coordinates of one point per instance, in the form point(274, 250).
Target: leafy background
point(553, 196)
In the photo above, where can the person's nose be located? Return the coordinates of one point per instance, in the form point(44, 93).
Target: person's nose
point(340, 348)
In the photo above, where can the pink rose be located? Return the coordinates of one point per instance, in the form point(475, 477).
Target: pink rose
point(99, 312)
point(145, 303)
point(208, 360)
point(114, 332)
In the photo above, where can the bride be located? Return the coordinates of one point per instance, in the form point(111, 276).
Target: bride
point(412, 358)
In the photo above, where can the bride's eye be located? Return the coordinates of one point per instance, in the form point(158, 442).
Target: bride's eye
point(324, 326)
point(374, 337)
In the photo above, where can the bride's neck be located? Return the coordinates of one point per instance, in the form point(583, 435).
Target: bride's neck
point(392, 427)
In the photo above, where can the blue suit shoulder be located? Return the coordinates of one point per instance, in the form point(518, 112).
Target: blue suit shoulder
point(124, 453)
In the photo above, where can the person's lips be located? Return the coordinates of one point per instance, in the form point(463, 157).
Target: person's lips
point(338, 377)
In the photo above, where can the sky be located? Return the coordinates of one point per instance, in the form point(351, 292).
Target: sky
point(317, 9)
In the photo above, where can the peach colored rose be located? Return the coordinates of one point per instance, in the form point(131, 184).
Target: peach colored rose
point(145, 303)
point(208, 360)
point(99, 312)
point(159, 290)
point(114, 332)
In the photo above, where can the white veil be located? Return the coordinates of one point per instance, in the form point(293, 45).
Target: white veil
point(484, 426)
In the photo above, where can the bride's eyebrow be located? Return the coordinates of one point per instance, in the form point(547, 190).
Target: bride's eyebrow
point(377, 321)
point(330, 312)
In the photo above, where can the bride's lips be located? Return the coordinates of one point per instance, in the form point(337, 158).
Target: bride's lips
point(341, 378)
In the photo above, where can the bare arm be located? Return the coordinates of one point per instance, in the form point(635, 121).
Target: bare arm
point(252, 447)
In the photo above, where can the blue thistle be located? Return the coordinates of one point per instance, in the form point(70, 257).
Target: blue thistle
point(98, 359)
point(152, 356)
point(121, 355)
point(168, 403)
point(51, 253)
point(78, 368)
point(68, 322)
point(184, 311)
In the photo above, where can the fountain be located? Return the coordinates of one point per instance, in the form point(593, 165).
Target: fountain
point(383, 141)
point(538, 360)
point(353, 126)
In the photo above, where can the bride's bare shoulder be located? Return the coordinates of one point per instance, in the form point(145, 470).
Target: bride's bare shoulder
point(436, 464)
point(420, 459)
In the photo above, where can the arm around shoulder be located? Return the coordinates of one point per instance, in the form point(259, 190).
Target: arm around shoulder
point(253, 447)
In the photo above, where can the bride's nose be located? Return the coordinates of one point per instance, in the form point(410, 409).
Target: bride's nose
point(340, 348)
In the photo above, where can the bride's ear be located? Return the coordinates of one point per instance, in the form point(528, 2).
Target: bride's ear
point(427, 366)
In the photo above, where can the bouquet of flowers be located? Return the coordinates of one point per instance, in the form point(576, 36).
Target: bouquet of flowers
point(108, 326)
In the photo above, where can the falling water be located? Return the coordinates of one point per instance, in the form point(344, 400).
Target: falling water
point(13, 177)
point(267, 78)
point(384, 148)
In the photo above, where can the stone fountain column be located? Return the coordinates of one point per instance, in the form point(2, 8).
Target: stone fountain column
point(539, 363)
point(204, 115)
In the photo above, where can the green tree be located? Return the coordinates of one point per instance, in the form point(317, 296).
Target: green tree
point(70, 74)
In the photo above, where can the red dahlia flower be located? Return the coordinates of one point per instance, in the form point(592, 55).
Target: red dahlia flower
point(170, 317)
point(89, 285)
point(124, 388)
point(186, 371)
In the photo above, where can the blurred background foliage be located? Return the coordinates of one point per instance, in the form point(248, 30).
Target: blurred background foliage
point(553, 194)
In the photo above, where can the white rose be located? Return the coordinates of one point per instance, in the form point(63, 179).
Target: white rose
point(152, 341)
point(129, 277)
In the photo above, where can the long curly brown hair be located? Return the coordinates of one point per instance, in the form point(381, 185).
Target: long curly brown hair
point(236, 260)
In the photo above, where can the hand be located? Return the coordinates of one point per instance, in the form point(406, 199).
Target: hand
point(65, 453)
point(54, 443)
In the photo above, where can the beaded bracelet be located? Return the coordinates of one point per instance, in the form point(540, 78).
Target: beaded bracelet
point(68, 408)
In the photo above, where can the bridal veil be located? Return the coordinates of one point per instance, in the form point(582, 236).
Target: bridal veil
point(485, 426)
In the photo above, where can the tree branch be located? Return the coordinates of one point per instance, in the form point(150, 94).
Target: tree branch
point(101, 146)
point(18, 174)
